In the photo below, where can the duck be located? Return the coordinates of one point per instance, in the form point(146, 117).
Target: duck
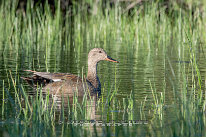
point(66, 83)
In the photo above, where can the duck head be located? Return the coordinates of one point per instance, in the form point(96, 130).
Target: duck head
point(98, 54)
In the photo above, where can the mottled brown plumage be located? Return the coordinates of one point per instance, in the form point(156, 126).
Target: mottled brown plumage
point(65, 83)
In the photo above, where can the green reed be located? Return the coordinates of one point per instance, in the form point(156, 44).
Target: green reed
point(152, 31)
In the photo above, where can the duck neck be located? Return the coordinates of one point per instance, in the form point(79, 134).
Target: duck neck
point(92, 75)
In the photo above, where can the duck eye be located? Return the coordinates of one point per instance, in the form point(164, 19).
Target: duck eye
point(100, 51)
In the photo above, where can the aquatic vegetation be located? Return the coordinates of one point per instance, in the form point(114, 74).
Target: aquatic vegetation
point(157, 89)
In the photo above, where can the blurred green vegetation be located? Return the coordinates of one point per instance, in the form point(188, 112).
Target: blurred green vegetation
point(72, 7)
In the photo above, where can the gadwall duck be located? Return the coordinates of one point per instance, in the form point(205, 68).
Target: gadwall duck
point(67, 83)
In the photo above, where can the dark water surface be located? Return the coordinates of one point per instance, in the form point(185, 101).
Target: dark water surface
point(140, 71)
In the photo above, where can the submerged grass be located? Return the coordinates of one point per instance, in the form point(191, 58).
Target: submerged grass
point(33, 36)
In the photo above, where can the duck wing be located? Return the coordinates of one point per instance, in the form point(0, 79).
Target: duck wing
point(54, 77)
point(44, 78)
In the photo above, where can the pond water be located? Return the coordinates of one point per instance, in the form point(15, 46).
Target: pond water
point(140, 73)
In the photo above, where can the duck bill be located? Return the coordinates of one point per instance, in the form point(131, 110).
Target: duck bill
point(111, 59)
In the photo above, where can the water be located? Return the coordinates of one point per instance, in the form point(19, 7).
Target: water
point(140, 70)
